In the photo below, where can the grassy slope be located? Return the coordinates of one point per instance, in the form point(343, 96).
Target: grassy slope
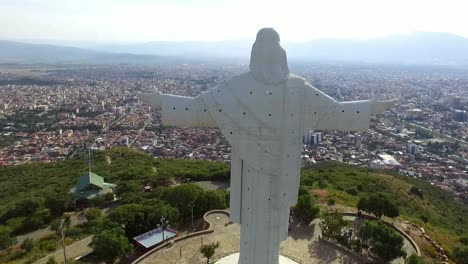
point(37, 180)
point(447, 217)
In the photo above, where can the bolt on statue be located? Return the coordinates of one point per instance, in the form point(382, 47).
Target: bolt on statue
point(264, 114)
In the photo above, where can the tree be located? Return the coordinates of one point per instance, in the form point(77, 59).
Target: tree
point(34, 221)
point(305, 209)
point(378, 205)
point(209, 250)
point(24, 207)
point(27, 245)
point(460, 254)
point(109, 197)
point(60, 226)
point(57, 203)
point(111, 244)
point(210, 200)
point(386, 243)
point(181, 196)
point(6, 240)
point(414, 259)
point(332, 223)
point(139, 218)
point(93, 214)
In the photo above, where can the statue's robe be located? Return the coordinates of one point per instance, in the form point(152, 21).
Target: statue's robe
point(265, 125)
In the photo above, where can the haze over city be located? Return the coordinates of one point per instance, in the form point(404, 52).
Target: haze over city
point(131, 21)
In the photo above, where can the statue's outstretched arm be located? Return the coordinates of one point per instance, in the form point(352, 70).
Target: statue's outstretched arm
point(179, 111)
point(325, 113)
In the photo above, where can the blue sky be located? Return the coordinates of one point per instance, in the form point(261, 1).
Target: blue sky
point(296, 20)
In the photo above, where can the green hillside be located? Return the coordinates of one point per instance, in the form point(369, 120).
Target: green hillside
point(117, 166)
point(446, 218)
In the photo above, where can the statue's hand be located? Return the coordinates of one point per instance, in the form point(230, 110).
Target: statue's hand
point(152, 99)
point(378, 107)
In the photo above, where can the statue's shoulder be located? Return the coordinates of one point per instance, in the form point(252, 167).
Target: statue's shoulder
point(241, 81)
point(295, 80)
point(241, 78)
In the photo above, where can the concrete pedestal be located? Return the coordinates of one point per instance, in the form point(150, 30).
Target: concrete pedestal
point(234, 259)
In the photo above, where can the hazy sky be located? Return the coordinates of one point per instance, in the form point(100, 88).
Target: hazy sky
point(148, 20)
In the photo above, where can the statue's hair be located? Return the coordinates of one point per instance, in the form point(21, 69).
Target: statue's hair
point(268, 61)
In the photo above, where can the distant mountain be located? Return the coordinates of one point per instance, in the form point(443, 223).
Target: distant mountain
point(17, 52)
point(417, 48)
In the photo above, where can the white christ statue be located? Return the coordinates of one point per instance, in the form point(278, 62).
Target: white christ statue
point(263, 114)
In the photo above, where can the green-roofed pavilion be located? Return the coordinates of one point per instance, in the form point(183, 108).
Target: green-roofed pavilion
point(91, 185)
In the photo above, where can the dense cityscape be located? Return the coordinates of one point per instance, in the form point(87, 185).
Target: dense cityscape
point(59, 112)
point(233, 132)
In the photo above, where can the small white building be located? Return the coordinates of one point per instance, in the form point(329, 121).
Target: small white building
point(377, 165)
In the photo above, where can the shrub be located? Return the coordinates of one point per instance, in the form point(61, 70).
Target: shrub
point(47, 245)
point(386, 243)
point(28, 244)
point(303, 190)
point(460, 254)
point(464, 240)
point(378, 205)
point(414, 259)
point(305, 209)
point(6, 240)
point(307, 181)
point(352, 191)
point(97, 201)
point(322, 184)
point(424, 218)
point(73, 232)
point(109, 197)
point(51, 260)
point(93, 214)
point(332, 223)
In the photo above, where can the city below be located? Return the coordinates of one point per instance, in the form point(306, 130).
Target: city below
point(51, 113)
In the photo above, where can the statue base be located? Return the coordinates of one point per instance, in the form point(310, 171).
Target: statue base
point(234, 259)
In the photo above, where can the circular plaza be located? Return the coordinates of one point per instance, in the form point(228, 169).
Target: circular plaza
point(302, 246)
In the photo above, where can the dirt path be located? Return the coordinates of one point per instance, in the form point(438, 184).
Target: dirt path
point(75, 250)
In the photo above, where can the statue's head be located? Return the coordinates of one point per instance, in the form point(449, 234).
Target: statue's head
point(268, 62)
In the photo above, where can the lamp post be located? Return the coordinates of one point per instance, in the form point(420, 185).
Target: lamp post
point(192, 204)
point(163, 225)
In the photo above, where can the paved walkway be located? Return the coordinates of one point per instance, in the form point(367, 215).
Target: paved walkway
point(234, 259)
point(187, 251)
point(79, 248)
point(302, 245)
point(75, 250)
